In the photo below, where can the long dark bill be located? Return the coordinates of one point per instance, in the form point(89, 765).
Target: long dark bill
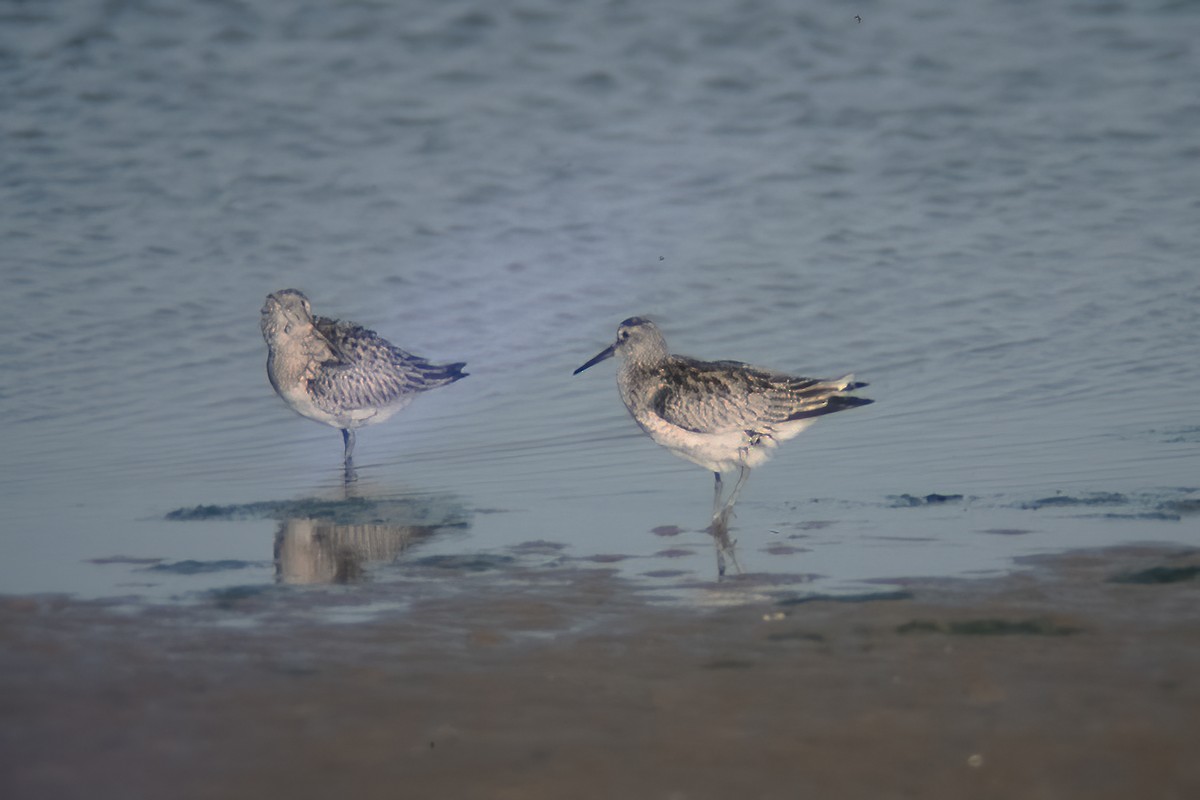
point(596, 359)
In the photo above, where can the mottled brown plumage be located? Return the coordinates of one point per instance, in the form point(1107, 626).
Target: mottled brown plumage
point(721, 415)
point(340, 373)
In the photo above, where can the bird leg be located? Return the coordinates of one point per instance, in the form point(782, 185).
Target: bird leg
point(719, 530)
point(743, 474)
point(348, 438)
point(727, 509)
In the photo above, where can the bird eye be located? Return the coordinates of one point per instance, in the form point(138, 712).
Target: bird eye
point(623, 335)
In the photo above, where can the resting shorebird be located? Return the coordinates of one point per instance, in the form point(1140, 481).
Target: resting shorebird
point(718, 414)
point(339, 373)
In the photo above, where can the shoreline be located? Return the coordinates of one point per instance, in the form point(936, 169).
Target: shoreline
point(1067, 679)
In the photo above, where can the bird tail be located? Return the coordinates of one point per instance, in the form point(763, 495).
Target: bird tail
point(832, 393)
point(848, 384)
point(441, 374)
point(840, 402)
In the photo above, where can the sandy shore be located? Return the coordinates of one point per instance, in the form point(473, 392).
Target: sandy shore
point(1058, 682)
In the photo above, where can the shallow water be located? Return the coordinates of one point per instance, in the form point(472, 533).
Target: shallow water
point(989, 216)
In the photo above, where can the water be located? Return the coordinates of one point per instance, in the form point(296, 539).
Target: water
point(986, 210)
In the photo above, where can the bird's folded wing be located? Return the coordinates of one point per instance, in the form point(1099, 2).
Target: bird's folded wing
point(354, 344)
point(367, 371)
point(347, 387)
point(364, 370)
point(722, 396)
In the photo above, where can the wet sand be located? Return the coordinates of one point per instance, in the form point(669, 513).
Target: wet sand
point(1077, 677)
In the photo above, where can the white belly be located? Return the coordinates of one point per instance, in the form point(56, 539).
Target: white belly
point(302, 404)
point(721, 452)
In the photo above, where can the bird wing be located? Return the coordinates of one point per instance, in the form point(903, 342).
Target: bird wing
point(723, 396)
point(367, 371)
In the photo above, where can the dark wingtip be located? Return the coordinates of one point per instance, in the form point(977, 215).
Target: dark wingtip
point(834, 404)
point(442, 374)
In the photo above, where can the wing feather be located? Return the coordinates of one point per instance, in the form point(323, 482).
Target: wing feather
point(367, 371)
point(714, 397)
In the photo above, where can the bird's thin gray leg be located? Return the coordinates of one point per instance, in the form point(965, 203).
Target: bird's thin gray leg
point(716, 494)
point(719, 530)
point(348, 438)
point(737, 487)
point(727, 509)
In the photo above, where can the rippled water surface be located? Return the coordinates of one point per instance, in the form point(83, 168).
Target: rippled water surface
point(988, 211)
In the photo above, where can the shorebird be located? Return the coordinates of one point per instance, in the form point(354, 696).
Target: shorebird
point(339, 373)
point(721, 415)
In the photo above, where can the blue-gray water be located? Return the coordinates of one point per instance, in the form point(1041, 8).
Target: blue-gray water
point(987, 210)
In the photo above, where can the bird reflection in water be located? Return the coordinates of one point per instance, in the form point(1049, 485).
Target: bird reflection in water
point(337, 541)
point(324, 540)
point(320, 551)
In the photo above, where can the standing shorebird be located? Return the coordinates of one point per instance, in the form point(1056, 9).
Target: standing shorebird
point(339, 373)
point(718, 414)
